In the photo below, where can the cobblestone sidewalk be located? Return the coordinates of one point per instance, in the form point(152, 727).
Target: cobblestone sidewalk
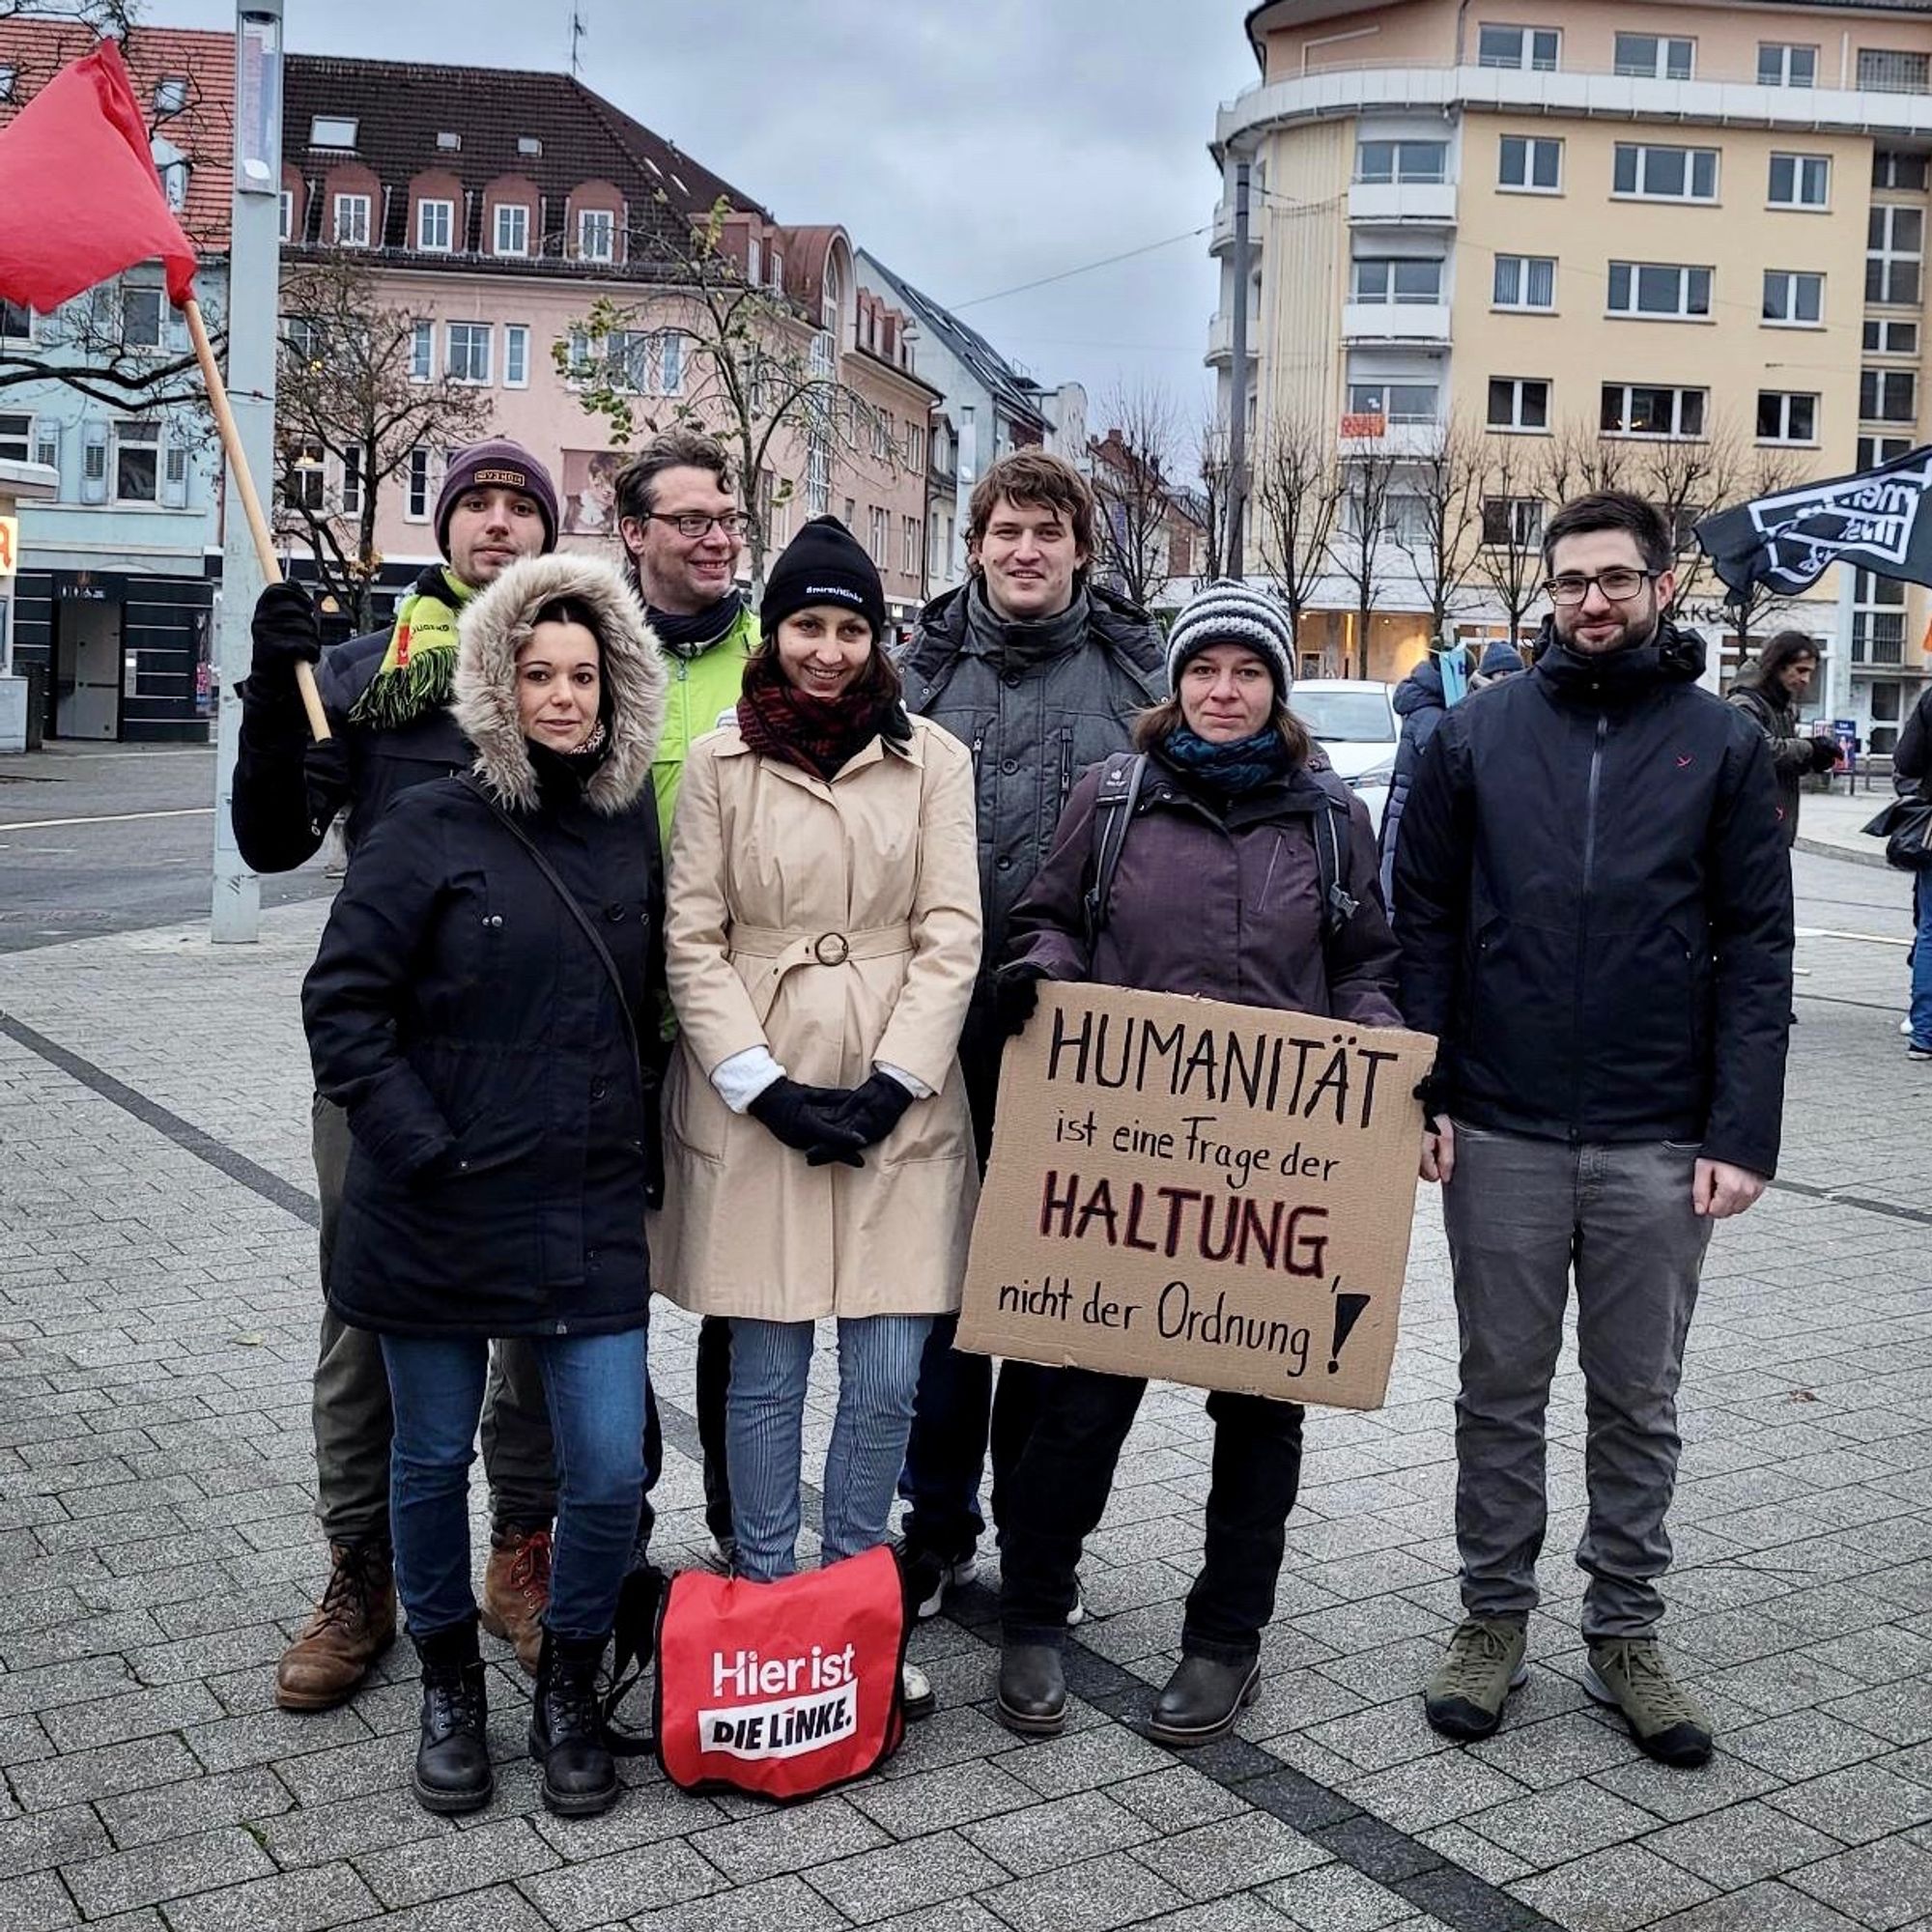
point(157, 1314)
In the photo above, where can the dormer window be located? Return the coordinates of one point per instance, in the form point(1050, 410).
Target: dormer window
point(596, 234)
point(449, 142)
point(529, 144)
point(513, 228)
point(326, 130)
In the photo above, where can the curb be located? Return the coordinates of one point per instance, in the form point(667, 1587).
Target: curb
point(1824, 848)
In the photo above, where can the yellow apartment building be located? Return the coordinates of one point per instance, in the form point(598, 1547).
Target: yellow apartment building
point(1503, 250)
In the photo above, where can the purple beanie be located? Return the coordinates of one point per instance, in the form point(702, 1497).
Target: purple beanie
point(497, 463)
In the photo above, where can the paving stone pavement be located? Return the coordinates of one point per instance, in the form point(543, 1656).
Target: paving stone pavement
point(158, 1313)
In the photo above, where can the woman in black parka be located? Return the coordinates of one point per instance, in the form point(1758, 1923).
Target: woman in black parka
point(487, 1050)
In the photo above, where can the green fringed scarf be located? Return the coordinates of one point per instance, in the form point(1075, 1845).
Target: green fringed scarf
point(419, 670)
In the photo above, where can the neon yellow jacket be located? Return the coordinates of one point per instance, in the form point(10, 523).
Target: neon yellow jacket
point(701, 689)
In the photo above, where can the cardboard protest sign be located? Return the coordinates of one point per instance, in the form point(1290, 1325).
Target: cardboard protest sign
point(1201, 1193)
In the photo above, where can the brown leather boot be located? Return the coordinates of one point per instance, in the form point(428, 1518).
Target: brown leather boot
point(516, 1591)
point(352, 1625)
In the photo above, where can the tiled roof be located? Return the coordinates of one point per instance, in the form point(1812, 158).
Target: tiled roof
point(204, 131)
point(400, 107)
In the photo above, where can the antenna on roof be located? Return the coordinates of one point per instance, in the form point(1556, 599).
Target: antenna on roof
point(577, 33)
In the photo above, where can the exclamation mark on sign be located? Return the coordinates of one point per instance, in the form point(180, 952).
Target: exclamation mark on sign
point(1349, 1310)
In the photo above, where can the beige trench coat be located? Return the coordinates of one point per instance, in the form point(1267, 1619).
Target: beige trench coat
point(838, 925)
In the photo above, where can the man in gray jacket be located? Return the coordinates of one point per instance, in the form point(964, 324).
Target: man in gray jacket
point(1041, 674)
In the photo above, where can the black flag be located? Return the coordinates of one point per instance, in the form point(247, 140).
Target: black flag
point(1875, 521)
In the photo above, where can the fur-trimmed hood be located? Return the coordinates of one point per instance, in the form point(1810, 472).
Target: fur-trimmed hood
point(494, 627)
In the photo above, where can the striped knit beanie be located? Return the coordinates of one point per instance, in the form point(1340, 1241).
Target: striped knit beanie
point(1226, 612)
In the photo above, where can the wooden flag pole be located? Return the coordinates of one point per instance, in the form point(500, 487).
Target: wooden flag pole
point(245, 488)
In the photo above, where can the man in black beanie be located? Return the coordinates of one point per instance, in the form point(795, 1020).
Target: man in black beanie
point(386, 696)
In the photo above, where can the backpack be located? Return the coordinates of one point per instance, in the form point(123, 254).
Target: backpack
point(1121, 781)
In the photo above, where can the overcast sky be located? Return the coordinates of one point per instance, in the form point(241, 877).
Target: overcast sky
point(975, 147)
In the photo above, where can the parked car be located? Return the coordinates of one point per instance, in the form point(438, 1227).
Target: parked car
point(1355, 723)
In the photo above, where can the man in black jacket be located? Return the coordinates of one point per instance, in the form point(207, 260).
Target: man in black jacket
point(1911, 771)
point(1041, 674)
point(385, 695)
point(1595, 914)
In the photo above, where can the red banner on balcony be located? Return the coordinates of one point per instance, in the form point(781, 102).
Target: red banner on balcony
point(1364, 426)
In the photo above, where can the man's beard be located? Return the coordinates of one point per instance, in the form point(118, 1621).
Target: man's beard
point(1635, 633)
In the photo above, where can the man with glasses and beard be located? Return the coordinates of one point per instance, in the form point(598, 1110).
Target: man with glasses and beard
point(1595, 915)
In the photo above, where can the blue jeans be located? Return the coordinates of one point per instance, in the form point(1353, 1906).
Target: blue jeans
point(1921, 960)
point(594, 1385)
point(878, 1372)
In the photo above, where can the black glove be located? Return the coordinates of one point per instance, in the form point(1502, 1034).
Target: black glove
point(286, 634)
point(1016, 995)
point(869, 1113)
point(1823, 753)
point(326, 780)
point(805, 1118)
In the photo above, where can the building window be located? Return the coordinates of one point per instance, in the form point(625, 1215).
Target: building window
point(304, 488)
point(879, 536)
point(449, 141)
point(1895, 254)
point(1780, 65)
point(516, 356)
point(137, 462)
point(1794, 298)
point(9, 74)
point(909, 545)
point(47, 448)
point(1389, 162)
point(469, 353)
point(1890, 70)
point(1397, 401)
point(777, 269)
point(530, 144)
point(16, 437)
point(1516, 402)
point(1531, 164)
point(1895, 170)
point(1660, 289)
point(327, 130)
point(1878, 619)
point(1514, 523)
point(1381, 279)
point(1887, 395)
point(16, 322)
point(286, 227)
point(1801, 181)
point(1664, 174)
point(352, 221)
point(513, 228)
point(1640, 408)
point(1891, 338)
point(1525, 281)
point(422, 352)
point(1874, 450)
point(915, 454)
point(171, 94)
point(436, 221)
point(1785, 417)
point(417, 490)
point(596, 234)
point(1653, 57)
point(141, 313)
point(1533, 49)
point(351, 482)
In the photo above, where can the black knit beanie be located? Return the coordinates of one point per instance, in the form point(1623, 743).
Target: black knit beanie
point(823, 564)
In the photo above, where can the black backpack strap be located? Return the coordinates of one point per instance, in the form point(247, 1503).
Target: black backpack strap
point(1120, 779)
point(1332, 828)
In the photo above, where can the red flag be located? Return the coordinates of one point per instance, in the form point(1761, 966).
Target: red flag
point(79, 196)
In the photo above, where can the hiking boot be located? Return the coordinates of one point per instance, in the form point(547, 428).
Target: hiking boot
point(1032, 1698)
point(1628, 1674)
point(352, 1625)
point(916, 1700)
point(580, 1777)
point(452, 1772)
point(1481, 1665)
point(516, 1590)
point(1201, 1700)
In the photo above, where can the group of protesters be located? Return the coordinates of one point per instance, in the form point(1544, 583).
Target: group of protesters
point(677, 951)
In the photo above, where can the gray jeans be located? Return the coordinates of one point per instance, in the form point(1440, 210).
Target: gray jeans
point(1523, 1215)
point(352, 1419)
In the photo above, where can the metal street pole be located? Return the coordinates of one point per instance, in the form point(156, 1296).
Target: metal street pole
point(254, 266)
point(1238, 391)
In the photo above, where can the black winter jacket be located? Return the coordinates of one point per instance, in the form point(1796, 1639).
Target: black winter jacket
point(1791, 752)
point(504, 1132)
point(1034, 724)
point(1911, 760)
point(1594, 908)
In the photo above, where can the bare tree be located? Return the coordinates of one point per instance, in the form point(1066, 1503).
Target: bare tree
point(1357, 547)
point(1211, 466)
point(753, 367)
point(1686, 479)
point(350, 409)
point(1762, 472)
point(1298, 486)
point(1580, 460)
point(1136, 497)
point(1514, 488)
point(1443, 543)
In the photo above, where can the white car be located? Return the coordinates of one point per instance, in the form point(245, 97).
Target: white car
point(1352, 719)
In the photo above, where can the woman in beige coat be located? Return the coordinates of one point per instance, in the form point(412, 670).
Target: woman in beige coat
point(822, 938)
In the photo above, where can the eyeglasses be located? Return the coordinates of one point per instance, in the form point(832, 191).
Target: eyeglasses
point(694, 523)
point(1618, 586)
